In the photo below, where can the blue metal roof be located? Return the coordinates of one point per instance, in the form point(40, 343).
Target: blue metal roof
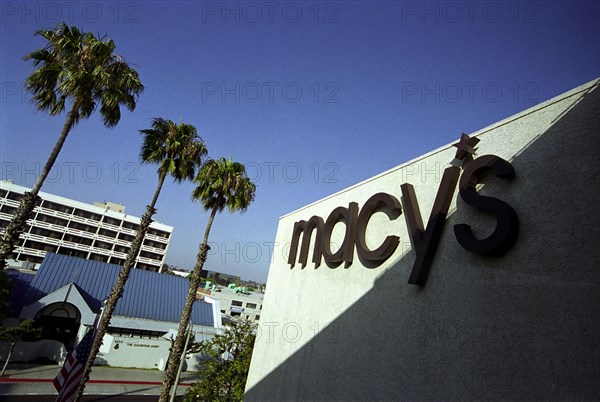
point(147, 294)
point(20, 282)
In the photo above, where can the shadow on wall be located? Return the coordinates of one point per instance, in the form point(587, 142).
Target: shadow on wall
point(521, 326)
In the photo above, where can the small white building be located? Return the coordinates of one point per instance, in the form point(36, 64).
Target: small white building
point(67, 293)
point(235, 301)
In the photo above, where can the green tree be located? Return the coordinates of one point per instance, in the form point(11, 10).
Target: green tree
point(25, 330)
point(223, 375)
point(79, 70)
point(178, 151)
point(221, 184)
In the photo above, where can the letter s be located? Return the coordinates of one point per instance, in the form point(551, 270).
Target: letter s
point(507, 224)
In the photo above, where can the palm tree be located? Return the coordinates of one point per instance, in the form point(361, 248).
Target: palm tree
point(79, 69)
point(178, 151)
point(221, 183)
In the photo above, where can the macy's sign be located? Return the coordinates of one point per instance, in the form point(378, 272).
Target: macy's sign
point(425, 240)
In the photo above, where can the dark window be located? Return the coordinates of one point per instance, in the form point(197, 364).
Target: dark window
point(57, 207)
point(7, 209)
point(129, 225)
point(31, 258)
point(40, 246)
point(14, 196)
point(126, 237)
point(108, 233)
point(46, 233)
point(257, 317)
point(98, 257)
point(121, 249)
point(112, 221)
point(150, 255)
point(236, 303)
point(78, 239)
point(51, 219)
point(71, 252)
point(103, 245)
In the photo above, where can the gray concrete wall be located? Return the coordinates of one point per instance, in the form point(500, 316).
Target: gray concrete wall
point(523, 325)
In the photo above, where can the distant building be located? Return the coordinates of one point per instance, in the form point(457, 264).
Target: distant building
point(100, 232)
point(220, 278)
point(235, 302)
point(66, 293)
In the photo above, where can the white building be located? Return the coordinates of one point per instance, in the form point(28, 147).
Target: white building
point(100, 232)
point(65, 295)
point(234, 302)
point(491, 292)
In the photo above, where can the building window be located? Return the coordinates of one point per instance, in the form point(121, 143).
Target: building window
point(236, 303)
point(98, 257)
point(257, 317)
point(14, 196)
point(112, 221)
point(126, 237)
point(250, 305)
point(103, 245)
point(78, 239)
point(129, 225)
point(75, 253)
point(7, 209)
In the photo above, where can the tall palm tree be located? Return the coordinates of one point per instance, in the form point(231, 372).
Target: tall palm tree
point(221, 184)
point(178, 151)
point(79, 70)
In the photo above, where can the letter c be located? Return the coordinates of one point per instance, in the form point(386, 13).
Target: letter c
point(392, 208)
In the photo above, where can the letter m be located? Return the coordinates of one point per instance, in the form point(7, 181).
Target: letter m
point(305, 229)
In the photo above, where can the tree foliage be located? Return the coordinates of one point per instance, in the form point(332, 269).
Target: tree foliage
point(24, 331)
point(223, 374)
point(221, 183)
point(179, 152)
point(76, 71)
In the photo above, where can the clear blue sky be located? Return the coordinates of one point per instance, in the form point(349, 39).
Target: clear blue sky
point(312, 96)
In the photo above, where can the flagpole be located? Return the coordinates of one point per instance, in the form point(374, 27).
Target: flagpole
point(187, 341)
point(94, 328)
point(68, 380)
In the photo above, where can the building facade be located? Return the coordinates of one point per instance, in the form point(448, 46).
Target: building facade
point(469, 273)
point(100, 232)
point(235, 302)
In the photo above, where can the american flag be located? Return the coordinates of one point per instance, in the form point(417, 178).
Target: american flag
point(67, 380)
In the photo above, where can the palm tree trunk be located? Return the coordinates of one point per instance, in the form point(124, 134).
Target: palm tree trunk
point(12, 347)
point(177, 349)
point(16, 225)
point(117, 290)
